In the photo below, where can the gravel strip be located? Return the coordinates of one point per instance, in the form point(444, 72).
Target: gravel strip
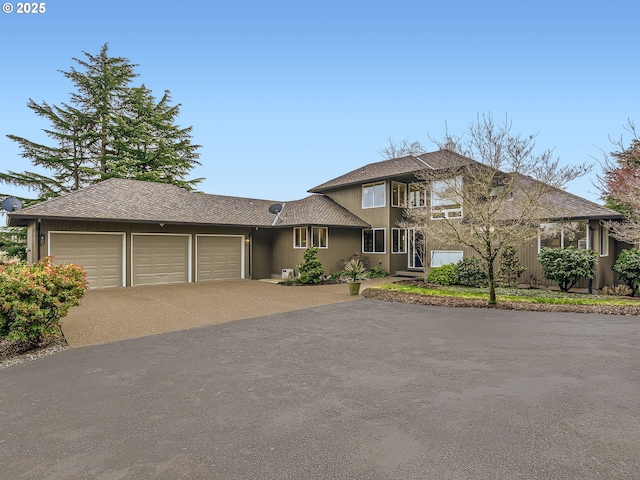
point(54, 346)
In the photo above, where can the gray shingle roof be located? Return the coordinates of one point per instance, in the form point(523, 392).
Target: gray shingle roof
point(565, 205)
point(440, 160)
point(122, 200)
point(318, 210)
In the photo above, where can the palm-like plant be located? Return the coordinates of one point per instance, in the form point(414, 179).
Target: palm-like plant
point(355, 269)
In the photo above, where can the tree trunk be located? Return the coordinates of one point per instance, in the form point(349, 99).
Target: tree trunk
point(492, 285)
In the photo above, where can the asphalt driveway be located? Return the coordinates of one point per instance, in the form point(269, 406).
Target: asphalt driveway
point(353, 390)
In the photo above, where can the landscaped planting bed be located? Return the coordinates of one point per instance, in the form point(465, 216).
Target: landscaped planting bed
point(540, 300)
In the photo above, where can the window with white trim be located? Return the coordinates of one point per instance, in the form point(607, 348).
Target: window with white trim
point(398, 194)
point(319, 237)
point(446, 201)
point(300, 237)
point(604, 241)
point(563, 235)
point(398, 240)
point(374, 240)
point(374, 195)
point(445, 257)
point(417, 196)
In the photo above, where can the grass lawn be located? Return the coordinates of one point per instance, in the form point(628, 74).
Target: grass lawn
point(550, 297)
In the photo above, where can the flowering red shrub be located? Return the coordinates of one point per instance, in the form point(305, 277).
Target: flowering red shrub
point(34, 297)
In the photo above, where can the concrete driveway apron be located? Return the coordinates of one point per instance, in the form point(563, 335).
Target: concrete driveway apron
point(109, 315)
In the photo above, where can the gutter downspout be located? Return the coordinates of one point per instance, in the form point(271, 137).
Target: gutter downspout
point(591, 239)
point(251, 256)
point(38, 242)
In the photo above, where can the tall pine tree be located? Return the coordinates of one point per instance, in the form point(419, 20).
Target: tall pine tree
point(108, 129)
point(148, 145)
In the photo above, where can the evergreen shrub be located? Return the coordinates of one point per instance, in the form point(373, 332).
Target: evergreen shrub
point(444, 275)
point(627, 267)
point(34, 297)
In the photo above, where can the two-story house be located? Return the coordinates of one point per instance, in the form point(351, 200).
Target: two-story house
point(128, 233)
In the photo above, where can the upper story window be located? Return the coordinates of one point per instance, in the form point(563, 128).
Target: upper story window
point(374, 195)
point(563, 235)
point(446, 199)
point(417, 196)
point(398, 194)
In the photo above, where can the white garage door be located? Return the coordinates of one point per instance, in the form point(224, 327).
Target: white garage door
point(100, 254)
point(160, 259)
point(219, 257)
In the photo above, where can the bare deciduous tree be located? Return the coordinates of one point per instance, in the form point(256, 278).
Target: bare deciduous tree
point(494, 197)
point(402, 149)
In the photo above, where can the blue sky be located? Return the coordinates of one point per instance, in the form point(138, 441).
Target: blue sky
point(283, 96)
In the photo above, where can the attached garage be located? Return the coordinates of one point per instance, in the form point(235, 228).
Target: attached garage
point(100, 254)
point(219, 257)
point(160, 258)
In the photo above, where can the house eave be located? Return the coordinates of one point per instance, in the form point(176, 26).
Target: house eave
point(316, 224)
point(321, 190)
point(585, 217)
point(22, 221)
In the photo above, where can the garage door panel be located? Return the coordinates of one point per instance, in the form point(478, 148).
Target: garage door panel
point(100, 255)
point(219, 258)
point(160, 259)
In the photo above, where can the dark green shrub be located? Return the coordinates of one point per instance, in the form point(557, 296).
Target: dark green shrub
point(311, 269)
point(472, 272)
point(510, 267)
point(444, 275)
point(337, 276)
point(627, 267)
point(34, 297)
point(567, 265)
point(375, 272)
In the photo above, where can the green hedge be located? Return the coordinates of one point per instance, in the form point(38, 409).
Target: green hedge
point(444, 275)
point(471, 272)
point(627, 267)
point(566, 266)
point(34, 297)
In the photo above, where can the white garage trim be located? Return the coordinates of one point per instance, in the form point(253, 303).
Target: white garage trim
point(122, 250)
point(240, 245)
point(189, 250)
